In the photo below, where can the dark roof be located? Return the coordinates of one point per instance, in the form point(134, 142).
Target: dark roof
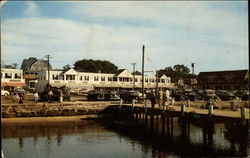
point(119, 71)
point(237, 73)
point(27, 63)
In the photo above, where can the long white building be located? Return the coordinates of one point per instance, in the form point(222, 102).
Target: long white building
point(79, 80)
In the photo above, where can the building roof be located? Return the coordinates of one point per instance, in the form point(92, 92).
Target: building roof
point(27, 63)
point(236, 73)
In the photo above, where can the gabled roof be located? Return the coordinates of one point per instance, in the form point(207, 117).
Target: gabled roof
point(163, 76)
point(70, 72)
point(26, 64)
point(123, 73)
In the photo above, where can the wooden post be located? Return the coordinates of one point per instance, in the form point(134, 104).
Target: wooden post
point(188, 103)
point(210, 109)
point(120, 105)
point(163, 124)
point(242, 112)
point(146, 106)
point(183, 109)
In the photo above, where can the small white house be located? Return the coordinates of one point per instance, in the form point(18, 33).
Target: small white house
point(12, 78)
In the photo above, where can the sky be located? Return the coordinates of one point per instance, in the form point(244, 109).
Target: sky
point(213, 35)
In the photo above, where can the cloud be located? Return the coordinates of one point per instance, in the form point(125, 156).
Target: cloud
point(32, 9)
point(173, 32)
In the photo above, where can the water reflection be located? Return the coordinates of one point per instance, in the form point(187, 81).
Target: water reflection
point(91, 139)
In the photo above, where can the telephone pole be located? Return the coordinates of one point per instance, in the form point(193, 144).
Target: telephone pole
point(48, 57)
point(192, 64)
point(133, 75)
point(143, 47)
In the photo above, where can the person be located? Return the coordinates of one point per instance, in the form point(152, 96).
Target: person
point(159, 98)
point(152, 99)
point(36, 96)
point(15, 97)
point(21, 98)
point(60, 95)
point(50, 93)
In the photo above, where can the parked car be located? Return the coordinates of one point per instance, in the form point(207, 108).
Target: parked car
point(83, 91)
point(5, 92)
point(225, 95)
point(95, 95)
point(242, 94)
point(20, 90)
point(179, 96)
point(111, 95)
point(210, 94)
point(192, 96)
point(128, 96)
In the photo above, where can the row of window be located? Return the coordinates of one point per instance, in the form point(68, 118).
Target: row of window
point(98, 78)
point(12, 75)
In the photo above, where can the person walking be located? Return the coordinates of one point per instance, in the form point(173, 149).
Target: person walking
point(36, 96)
point(159, 98)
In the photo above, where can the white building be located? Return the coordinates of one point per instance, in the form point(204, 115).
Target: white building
point(79, 80)
point(12, 78)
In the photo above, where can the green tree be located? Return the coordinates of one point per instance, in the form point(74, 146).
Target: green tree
point(67, 67)
point(95, 66)
point(136, 73)
point(176, 72)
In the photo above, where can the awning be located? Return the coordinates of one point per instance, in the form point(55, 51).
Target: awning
point(13, 84)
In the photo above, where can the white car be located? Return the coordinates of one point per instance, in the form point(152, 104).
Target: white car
point(5, 92)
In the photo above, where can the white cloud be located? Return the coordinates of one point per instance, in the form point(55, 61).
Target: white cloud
point(181, 32)
point(32, 9)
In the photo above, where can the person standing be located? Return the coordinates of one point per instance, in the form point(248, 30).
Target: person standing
point(21, 98)
point(152, 99)
point(36, 96)
point(50, 93)
point(160, 98)
point(60, 95)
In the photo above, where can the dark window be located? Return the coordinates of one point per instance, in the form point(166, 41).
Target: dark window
point(86, 78)
point(96, 78)
point(102, 78)
point(8, 75)
point(17, 76)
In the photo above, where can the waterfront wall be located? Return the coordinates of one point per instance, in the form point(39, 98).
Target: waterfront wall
point(52, 109)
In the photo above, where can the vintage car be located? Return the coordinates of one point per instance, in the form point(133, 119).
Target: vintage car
point(5, 93)
point(225, 95)
point(209, 94)
point(128, 96)
point(95, 95)
point(111, 95)
point(242, 94)
point(192, 96)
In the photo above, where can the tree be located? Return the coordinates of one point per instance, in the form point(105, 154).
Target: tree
point(67, 67)
point(136, 73)
point(176, 72)
point(12, 66)
point(95, 66)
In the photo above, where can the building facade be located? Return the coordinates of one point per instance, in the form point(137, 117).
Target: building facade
point(31, 67)
point(12, 79)
point(79, 80)
point(226, 80)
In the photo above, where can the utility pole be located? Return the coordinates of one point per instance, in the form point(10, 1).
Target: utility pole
point(48, 57)
point(192, 64)
point(143, 47)
point(156, 81)
point(133, 75)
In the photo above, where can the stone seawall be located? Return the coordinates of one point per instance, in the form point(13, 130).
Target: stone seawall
point(52, 109)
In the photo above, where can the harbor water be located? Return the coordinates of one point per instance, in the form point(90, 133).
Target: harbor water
point(90, 139)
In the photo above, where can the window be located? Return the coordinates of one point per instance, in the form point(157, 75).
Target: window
point(136, 79)
point(120, 79)
point(115, 79)
point(55, 77)
point(110, 78)
point(146, 80)
point(162, 80)
point(96, 78)
point(17, 76)
point(70, 77)
point(86, 78)
point(153, 80)
point(81, 78)
point(8, 75)
point(102, 78)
